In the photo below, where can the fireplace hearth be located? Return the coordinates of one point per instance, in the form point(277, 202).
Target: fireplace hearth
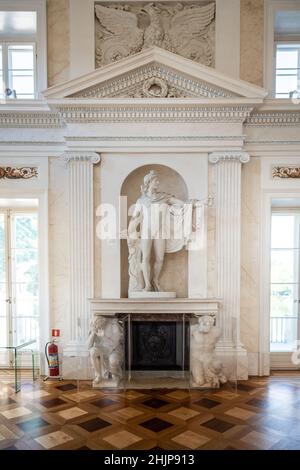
point(157, 345)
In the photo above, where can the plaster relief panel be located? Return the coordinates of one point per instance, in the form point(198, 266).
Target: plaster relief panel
point(123, 29)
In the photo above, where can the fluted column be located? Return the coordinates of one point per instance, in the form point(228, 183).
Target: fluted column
point(81, 237)
point(228, 241)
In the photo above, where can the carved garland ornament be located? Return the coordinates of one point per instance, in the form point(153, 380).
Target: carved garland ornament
point(286, 172)
point(14, 173)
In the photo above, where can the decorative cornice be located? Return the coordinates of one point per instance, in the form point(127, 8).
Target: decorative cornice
point(168, 138)
point(285, 172)
point(151, 113)
point(216, 157)
point(15, 173)
point(273, 119)
point(32, 143)
point(30, 119)
point(77, 156)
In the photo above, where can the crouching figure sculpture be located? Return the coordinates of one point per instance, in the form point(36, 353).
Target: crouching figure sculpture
point(105, 344)
point(206, 369)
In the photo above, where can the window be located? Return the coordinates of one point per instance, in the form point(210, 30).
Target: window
point(18, 71)
point(281, 52)
point(287, 69)
point(285, 261)
point(19, 285)
point(23, 49)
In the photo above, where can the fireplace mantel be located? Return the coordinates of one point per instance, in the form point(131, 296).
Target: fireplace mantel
point(112, 307)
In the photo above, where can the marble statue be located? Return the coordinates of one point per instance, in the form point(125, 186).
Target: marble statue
point(125, 29)
point(206, 369)
point(105, 345)
point(165, 225)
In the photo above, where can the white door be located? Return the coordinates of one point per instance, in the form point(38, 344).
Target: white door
point(19, 284)
point(284, 288)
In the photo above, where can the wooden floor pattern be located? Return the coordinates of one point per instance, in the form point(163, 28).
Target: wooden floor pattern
point(264, 414)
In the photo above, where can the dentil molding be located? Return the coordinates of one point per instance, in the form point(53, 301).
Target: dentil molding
point(274, 119)
point(89, 157)
point(44, 119)
point(72, 113)
point(216, 157)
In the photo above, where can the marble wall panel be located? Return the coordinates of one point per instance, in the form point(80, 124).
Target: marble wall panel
point(58, 41)
point(58, 245)
point(211, 238)
point(252, 41)
point(250, 252)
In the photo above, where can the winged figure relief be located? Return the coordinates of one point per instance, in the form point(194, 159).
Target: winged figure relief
point(184, 30)
point(190, 33)
point(118, 34)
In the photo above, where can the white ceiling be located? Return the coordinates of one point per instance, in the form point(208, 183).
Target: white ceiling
point(14, 23)
point(287, 23)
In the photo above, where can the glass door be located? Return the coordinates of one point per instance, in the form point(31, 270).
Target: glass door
point(285, 244)
point(19, 283)
point(4, 327)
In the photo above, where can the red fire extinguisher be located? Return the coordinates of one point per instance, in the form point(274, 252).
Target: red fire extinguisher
point(51, 353)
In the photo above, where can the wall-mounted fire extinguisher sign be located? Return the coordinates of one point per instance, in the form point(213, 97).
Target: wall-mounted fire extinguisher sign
point(52, 356)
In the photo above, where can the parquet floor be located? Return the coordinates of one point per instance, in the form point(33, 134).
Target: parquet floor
point(265, 414)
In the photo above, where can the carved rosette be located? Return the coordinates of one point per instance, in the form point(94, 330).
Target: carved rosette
point(285, 172)
point(15, 173)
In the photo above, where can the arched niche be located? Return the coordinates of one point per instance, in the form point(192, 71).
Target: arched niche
point(174, 275)
point(192, 170)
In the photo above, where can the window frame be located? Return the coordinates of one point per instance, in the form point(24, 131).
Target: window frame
point(284, 212)
point(5, 67)
point(292, 45)
point(40, 40)
point(271, 8)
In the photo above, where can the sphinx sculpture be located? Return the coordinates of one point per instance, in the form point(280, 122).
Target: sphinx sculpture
point(105, 345)
point(160, 223)
point(206, 369)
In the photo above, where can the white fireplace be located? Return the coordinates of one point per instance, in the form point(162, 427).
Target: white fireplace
point(194, 139)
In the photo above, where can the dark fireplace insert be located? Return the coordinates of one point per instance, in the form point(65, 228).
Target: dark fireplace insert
point(157, 345)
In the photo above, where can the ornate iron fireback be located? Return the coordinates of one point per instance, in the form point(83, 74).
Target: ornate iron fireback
point(156, 339)
point(157, 345)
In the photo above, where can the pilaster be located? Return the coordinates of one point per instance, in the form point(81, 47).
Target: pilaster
point(81, 236)
point(228, 166)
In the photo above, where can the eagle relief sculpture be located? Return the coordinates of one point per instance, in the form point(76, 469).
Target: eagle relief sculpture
point(185, 29)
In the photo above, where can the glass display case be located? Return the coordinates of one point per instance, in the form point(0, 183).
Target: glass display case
point(15, 353)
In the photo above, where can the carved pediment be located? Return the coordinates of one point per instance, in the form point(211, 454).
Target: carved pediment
point(152, 74)
point(154, 81)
